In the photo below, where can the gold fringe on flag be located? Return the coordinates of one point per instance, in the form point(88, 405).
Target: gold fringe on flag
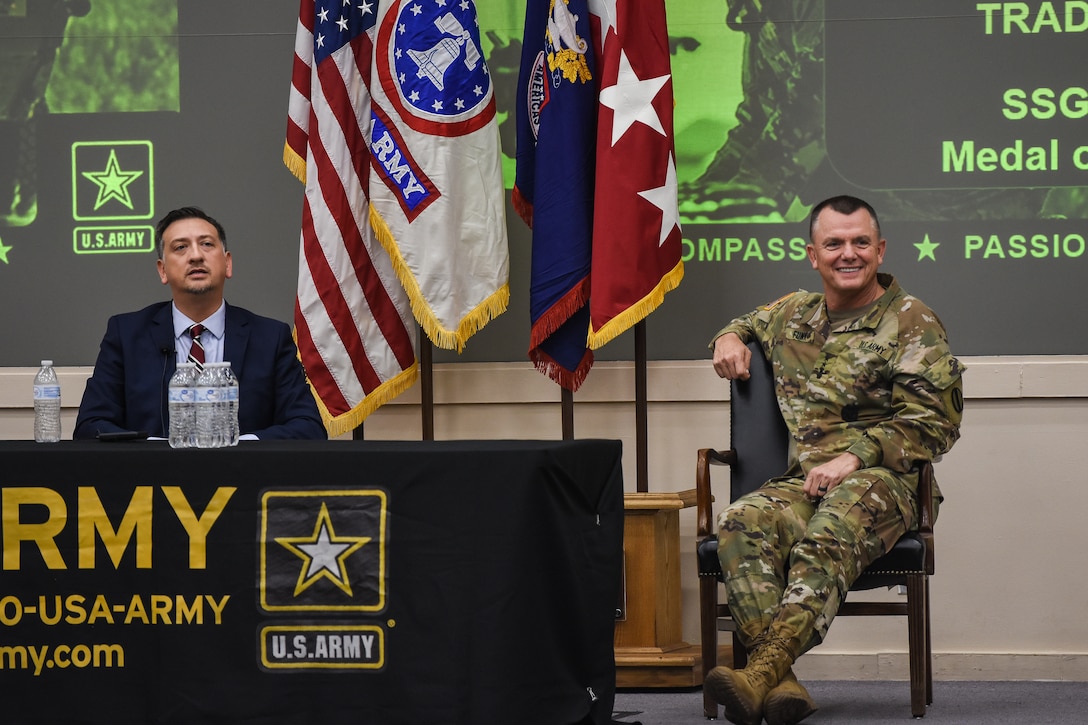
point(636, 312)
point(294, 163)
point(340, 424)
point(447, 339)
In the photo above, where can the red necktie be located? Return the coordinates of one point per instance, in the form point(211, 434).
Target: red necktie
point(196, 351)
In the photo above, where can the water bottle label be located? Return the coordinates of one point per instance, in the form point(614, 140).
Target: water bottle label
point(46, 392)
point(182, 395)
point(231, 395)
point(206, 395)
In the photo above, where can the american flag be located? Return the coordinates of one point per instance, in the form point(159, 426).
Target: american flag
point(353, 320)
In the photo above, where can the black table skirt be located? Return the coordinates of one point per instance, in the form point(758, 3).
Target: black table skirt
point(310, 582)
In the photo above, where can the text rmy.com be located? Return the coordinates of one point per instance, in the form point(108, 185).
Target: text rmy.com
point(61, 656)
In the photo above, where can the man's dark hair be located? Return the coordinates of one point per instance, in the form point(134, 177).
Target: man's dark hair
point(187, 212)
point(843, 204)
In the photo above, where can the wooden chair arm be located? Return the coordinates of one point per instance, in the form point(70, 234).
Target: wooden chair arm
point(925, 511)
point(704, 497)
point(925, 496)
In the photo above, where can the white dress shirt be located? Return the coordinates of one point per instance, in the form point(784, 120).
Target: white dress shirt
point(212, 338)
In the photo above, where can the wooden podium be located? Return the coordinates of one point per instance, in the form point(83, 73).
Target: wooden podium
point(649, 645)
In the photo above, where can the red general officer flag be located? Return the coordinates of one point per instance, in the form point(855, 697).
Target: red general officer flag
point(636, 230)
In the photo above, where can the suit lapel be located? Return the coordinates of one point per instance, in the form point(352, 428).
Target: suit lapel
point(235, 338)
point(162, 333)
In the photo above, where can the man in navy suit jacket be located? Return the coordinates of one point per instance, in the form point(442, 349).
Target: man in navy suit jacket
point(140, 350)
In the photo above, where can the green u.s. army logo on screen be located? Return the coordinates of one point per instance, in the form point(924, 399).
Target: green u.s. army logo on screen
point(112, 180)
point(323, 551)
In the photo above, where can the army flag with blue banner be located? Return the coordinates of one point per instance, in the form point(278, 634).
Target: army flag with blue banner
point(553, 191)
point(436, 191)
point(353, 321)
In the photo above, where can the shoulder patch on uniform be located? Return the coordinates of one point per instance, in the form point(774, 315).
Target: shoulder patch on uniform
point(771, 305)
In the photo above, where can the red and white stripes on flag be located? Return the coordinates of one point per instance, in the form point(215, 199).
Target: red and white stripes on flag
point(353, 321)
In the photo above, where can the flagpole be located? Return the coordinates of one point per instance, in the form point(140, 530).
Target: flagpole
point(426, 384)
point(641, 438)
point(567, 410)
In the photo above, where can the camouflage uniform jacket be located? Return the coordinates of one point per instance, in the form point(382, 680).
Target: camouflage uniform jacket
point(884, 387)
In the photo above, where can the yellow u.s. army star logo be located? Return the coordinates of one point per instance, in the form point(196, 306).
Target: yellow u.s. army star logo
point(323, 550)
point(323, 554)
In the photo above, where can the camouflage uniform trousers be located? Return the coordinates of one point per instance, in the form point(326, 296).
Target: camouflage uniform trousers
point(788, 559)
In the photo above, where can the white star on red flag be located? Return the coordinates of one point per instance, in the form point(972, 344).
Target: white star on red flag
point(632, 100)
point(606, 11)
point(664, 198)
point(636, 245)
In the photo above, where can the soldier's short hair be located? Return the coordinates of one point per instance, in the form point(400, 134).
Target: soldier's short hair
point(843, 204)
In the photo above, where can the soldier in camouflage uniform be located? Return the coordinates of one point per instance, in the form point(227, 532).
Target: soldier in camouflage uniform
point(867, 386)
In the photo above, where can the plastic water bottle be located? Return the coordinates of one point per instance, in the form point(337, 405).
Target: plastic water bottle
point(207, 394)
point(46, 404)
point(182, 406)
point(230, 396)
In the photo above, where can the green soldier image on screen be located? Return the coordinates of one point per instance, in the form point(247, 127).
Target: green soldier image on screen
point(752, 115)
point(76, 56)
point(962, 122)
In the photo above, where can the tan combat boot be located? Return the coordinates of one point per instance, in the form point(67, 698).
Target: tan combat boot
point(788, 703)
point(742, 692)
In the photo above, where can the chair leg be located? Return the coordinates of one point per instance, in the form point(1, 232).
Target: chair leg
point(708, 624)
point(929, 647)
point(917, 637)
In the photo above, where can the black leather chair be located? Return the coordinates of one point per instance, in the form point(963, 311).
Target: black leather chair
point(759, 443)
